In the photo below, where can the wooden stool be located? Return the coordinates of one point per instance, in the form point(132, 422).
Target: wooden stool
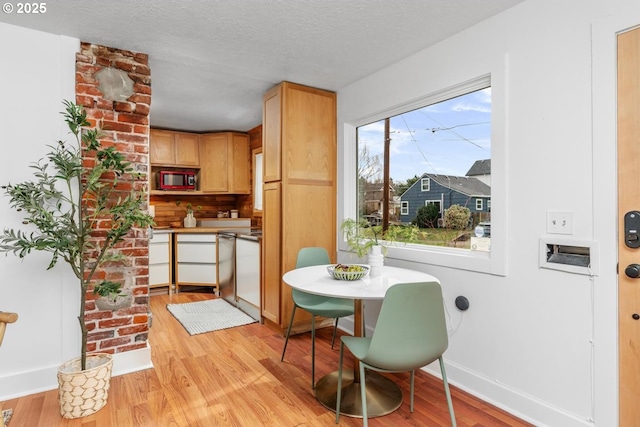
point(4, 319)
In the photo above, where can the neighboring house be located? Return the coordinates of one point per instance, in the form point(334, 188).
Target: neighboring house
point(481, 170)
point(371, 197)
point(444, 191)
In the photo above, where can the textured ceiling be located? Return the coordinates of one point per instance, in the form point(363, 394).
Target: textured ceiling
point(211, 60)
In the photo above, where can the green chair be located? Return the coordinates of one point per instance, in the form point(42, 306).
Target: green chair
point(411, 332)
point(317, 305)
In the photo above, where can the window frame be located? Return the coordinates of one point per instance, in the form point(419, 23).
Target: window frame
point(433, 202)
point(404, 207)
point(495, 74)
point(424, 187)
point(257, 166)
point(479, 204)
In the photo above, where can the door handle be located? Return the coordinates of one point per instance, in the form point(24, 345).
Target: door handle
point(632, 271)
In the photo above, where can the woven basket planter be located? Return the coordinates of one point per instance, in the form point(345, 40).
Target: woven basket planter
point(83, 393)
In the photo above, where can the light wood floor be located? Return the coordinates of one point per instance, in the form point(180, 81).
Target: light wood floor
point(235, 377)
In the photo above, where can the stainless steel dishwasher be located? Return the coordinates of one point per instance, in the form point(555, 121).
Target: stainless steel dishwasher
point(226, 267)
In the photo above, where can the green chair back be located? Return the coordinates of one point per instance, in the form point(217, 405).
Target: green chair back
point(411, 330)
point(312, 256)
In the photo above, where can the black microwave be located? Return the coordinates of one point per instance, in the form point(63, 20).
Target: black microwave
point(176, 180)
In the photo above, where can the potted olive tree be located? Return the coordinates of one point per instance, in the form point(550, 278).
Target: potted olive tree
point(372, 240)
point(74, 188)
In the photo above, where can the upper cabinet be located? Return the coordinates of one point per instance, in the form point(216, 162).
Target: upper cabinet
point(225, 162)
point(222, 160)
point(271, 134)
point(168, 148)
point(299, 133)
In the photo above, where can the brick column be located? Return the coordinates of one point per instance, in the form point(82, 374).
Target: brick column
point(122, 111)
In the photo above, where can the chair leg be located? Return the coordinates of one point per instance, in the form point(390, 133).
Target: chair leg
point(413, 378)
point(339, 394)
point(286, 341)
point(363, 396)
point(447, 392)
point(313, 352)
point(335, 329)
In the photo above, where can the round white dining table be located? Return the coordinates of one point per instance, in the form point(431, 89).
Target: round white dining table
point(383, 395)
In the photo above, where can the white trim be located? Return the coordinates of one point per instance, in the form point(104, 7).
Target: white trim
point(404, 207)
point(424, 181)
point(506, 397)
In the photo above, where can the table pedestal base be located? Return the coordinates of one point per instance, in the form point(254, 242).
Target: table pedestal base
point(383, 395)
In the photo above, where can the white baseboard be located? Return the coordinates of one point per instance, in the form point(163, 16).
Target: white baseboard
point(522, 405)
point(25, 383)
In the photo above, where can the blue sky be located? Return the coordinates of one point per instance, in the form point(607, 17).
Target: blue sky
point(445, 138)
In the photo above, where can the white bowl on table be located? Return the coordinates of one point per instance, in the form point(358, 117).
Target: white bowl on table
point(356, 271)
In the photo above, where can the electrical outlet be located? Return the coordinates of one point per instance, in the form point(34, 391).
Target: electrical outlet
point(559, 223)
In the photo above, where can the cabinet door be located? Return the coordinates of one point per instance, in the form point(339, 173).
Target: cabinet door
point(271, 271)
point(214, 157)
point(160, 260)
point(187, 149)
point(239, 167)
point(196, 259)
point(271, 134)
point(309, 134)
point(161, 147)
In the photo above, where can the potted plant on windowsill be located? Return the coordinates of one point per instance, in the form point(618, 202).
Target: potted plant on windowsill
point(371, 240)
point(76, 187)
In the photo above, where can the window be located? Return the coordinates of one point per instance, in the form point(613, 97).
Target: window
point(257, 181)
point(437, 203)
point(425, 184)
point(438, 154)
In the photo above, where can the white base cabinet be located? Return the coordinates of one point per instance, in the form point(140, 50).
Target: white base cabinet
point(248, 283)
point(160, 260)
point(196, 260)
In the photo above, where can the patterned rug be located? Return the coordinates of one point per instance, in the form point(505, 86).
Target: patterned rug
point(206, 316)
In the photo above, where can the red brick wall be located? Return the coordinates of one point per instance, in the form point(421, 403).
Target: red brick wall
point(126, 126)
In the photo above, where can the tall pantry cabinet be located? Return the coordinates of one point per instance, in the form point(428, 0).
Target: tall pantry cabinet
point(299, 193)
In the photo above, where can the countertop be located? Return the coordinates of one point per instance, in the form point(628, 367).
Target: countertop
point(203, 229)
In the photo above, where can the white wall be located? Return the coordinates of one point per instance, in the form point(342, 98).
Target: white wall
point(37, 74)
point(538, 342)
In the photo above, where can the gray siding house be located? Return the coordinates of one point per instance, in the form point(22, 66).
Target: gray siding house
point(444, 191)
point(481, 169)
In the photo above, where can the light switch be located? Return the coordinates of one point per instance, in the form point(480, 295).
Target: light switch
point(560, 222)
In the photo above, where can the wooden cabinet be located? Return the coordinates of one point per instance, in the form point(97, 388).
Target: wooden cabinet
point(168, 148)
point(271, 135)
point(225, 163)
point(160, 259)
point(223, 159)
point(271, 241)
point(299, 194)
point(196, 259)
